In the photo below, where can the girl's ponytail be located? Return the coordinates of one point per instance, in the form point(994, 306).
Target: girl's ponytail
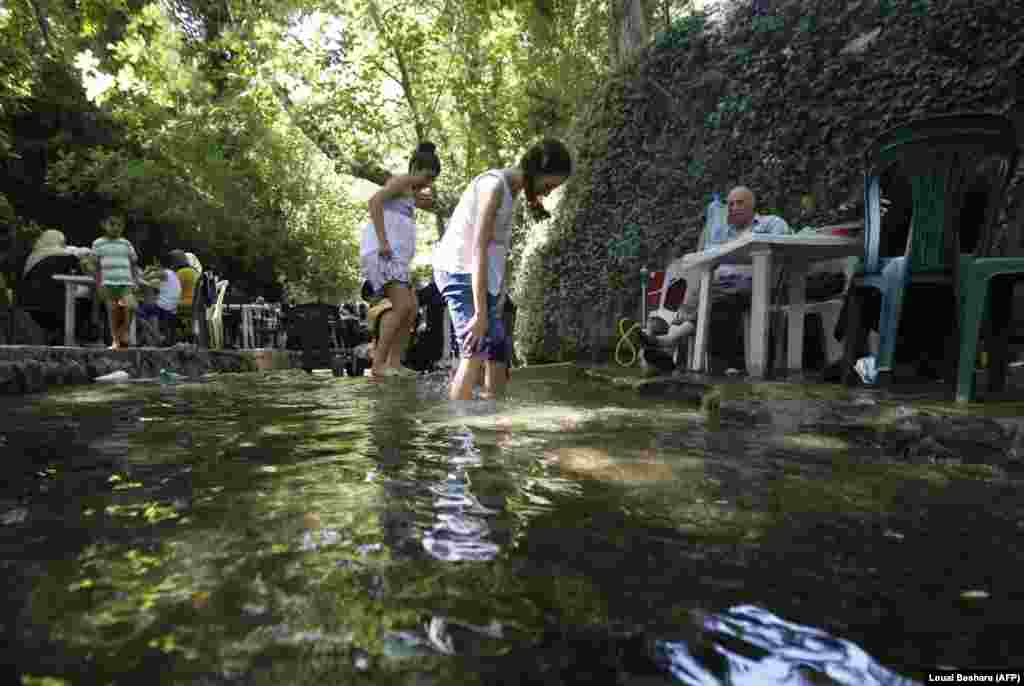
point(424, 160)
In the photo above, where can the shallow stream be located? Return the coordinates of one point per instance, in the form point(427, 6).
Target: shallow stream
point(282, 528)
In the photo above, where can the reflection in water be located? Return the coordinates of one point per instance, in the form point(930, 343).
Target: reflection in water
point(753, 647)
point(742, 646)
point(461, 531)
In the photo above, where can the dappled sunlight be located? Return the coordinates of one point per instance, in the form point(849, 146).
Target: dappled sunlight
point(549, 418)
point(806, 441)
point(597, 463)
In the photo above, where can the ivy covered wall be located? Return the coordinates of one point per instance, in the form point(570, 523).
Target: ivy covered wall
point(786, 103)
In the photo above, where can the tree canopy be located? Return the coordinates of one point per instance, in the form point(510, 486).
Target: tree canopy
point(236, 128)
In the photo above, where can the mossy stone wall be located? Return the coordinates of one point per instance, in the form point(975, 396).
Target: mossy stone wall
point(782, 103)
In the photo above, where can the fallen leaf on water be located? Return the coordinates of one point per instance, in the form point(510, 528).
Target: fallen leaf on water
point(200, 599)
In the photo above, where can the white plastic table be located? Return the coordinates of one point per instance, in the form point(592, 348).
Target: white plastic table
point(797, 252)
point(71, 284)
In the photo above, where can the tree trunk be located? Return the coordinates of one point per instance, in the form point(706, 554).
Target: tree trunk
point(629, 29)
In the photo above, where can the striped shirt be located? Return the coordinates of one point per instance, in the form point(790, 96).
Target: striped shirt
point(116, 257)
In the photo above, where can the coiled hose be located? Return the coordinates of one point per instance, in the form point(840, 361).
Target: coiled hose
point(625, 338)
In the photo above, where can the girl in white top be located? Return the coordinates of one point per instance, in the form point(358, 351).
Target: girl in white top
point(469, 262)
point(386, 250)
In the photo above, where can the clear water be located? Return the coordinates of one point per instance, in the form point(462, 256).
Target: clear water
point(292, 529)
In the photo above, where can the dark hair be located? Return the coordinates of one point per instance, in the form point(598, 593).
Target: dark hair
point(176, 259)
point(547, 158)
point(425, 157)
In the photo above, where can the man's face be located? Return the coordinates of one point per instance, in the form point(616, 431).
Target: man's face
point(741, 209)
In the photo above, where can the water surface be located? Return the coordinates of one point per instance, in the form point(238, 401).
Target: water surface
point(282, 528)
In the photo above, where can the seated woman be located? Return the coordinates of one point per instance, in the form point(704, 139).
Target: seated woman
point(39, 293)
point(187, 271)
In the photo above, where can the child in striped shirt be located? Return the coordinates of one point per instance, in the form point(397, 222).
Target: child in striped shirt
point(116, 278)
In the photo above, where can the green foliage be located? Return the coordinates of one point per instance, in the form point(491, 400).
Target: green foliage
point(682, 32)
point(729, 105)
point(768, 23)
point(235, 126)
point(628, 246)
point(921, 7)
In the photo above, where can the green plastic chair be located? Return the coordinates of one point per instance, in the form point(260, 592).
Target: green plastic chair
point(939, 156)
point(986, 288)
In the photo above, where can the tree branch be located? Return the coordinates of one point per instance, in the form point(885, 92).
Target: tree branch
point(357, 166)
point(403, 69)
point(44, 23)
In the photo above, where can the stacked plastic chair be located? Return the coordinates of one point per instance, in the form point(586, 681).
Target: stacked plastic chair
point(939, 156)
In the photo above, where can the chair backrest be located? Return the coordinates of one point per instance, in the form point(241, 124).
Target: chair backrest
point(939, 156)
point(222, 288)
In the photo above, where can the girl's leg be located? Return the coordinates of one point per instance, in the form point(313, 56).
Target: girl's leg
point(116, 314)
point(389, 325)
point(126, 326)
point(495, 379)
point(466, 378)
point(404, 304)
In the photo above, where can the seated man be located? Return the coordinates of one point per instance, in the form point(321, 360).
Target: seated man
point(732, 284)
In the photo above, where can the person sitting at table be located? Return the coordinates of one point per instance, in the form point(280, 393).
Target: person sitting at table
point(39, 293)
point(187, 277)
point(732, 284)
point(188, 269)
point(163, 313)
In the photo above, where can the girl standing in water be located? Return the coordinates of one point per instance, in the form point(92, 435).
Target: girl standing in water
point(386, 251)
point(469, 262)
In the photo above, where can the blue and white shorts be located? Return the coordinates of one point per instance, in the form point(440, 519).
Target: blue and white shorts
point(457, 291)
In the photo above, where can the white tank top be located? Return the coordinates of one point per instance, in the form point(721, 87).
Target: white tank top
point(454, 254)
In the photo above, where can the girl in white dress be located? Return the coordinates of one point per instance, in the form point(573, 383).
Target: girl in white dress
point(386, 250)
point(469, 262)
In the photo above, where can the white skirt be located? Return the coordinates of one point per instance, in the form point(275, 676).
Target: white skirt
point(380, 272)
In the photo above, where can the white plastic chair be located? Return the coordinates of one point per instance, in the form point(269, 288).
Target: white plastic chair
point(828, 310)
point(215, 317)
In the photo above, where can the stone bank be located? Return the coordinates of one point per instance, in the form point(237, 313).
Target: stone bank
point(32, 369)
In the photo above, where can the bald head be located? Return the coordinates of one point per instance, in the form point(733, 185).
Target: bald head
point(741, 207)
